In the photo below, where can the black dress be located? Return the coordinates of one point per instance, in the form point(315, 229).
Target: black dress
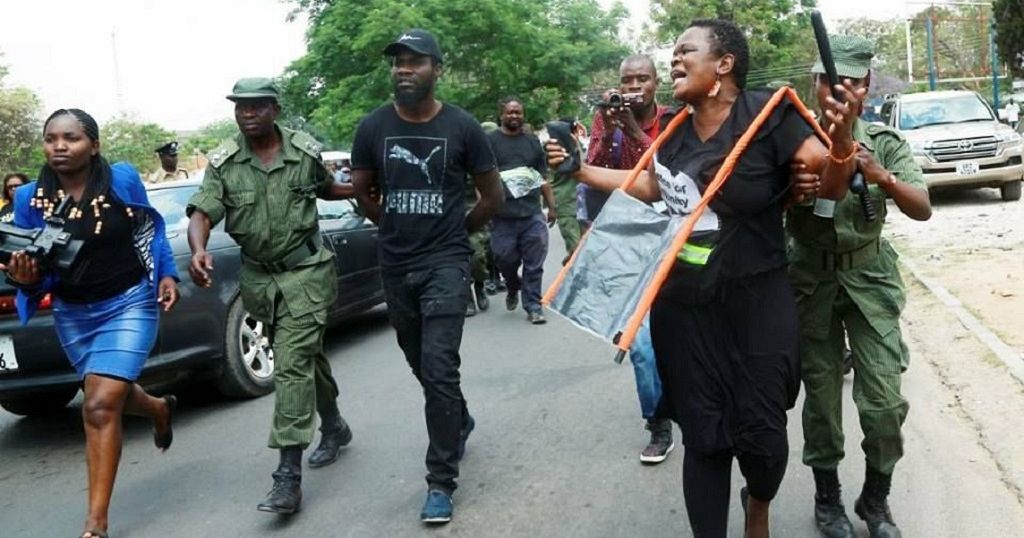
point(725, 334)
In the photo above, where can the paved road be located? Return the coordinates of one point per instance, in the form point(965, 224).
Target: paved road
point(554, 455)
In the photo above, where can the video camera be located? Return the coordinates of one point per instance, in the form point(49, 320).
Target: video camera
point(51, 245)
point(616, 99)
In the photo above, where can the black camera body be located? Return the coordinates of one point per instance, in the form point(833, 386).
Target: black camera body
point(51, 245)
point(617, 99)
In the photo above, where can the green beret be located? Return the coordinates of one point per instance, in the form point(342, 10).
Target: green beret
point(851, 54)
point(254, 88)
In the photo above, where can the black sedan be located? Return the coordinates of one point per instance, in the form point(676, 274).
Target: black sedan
point(208, 335)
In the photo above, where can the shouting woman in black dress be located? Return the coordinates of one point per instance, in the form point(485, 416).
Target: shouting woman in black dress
point(725, 329)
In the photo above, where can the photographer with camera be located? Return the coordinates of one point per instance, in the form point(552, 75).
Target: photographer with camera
point(624, 126)
point(105, 302)
point(626, 123)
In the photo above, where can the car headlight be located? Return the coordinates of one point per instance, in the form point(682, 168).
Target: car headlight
point(919, 148)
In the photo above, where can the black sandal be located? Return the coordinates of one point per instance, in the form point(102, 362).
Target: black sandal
point(163, 442)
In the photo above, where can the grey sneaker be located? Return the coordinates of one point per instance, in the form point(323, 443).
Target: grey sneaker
point(536, 318)
point(661, 441)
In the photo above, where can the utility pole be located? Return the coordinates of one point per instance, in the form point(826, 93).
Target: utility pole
point(910, 56)
point(995, 62)
point(932, 75)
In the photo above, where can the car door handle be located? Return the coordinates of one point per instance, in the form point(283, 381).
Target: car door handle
point(342, 240)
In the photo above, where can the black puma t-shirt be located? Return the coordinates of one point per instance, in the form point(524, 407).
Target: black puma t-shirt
point(421, 171)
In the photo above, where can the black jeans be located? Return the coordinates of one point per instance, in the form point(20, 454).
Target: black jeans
point(427, 309)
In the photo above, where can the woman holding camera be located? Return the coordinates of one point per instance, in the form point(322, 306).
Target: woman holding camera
point(725, 329)
point(105, 305)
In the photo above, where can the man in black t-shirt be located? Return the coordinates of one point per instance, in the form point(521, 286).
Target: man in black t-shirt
point(417, 152)
point(519, 236)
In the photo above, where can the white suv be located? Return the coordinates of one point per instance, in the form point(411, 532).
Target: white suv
point(958, 140)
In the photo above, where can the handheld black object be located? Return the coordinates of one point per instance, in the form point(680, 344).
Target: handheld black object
point(617, 99)
point(561, 131)
point(857, 184)
point(51, 245)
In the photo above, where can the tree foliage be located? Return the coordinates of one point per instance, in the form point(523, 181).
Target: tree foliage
point(124, 139)
point(1009, 17)
point(20, 129)
point(778, 32)
point(208, 137)
point(544, 51)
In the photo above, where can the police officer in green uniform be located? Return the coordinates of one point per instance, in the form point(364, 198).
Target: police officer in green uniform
point(480, 243)
point(563, 186)
point(264, 183)
point(845, 274)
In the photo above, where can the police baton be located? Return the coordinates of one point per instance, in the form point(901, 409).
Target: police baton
point(857, 184)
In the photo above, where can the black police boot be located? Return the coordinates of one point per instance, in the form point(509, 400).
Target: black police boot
point(286, 495)
point(873, 507)
point(829, 512)
point(334, 435)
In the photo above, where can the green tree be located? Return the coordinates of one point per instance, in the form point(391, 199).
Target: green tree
point(544, 51)
point(208, 137)
point(1009, 17)
point(778, 32)
point(20, 128)
point(889, 66)
point(124, 139)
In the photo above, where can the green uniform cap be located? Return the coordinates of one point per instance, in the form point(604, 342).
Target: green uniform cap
point(851, 54)
point(254, 88)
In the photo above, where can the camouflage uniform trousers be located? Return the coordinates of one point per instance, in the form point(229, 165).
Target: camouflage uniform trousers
point(564, 190)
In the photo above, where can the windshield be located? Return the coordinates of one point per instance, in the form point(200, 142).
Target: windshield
point(943, 111)
point(171, 204)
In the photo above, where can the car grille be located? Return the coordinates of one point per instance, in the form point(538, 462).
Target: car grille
point(963, 148)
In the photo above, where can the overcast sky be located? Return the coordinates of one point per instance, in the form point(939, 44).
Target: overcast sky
point(175, 60)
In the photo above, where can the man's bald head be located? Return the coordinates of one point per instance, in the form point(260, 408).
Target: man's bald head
point(637, 62)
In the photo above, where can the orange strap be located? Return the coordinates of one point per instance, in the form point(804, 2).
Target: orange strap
point(665, 266)
point(640, 166)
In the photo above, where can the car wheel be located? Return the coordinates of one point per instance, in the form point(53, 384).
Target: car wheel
point(249, 362)
point(39, 403)
point(1010, 192)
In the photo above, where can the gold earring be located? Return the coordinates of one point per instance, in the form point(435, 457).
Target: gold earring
point(716, 88)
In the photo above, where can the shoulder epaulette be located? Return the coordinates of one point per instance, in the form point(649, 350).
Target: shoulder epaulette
point(223, 152)
point(877, 129)
point(307, 144)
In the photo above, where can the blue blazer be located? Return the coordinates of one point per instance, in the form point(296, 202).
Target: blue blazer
point(150, 238)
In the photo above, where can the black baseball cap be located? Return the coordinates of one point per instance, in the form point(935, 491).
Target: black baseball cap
point(170, 148)
point(417, 40)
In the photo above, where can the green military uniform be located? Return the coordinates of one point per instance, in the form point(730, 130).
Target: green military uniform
point(563, 187)
point(288, 278)
point(479, 241)
point(845, 275)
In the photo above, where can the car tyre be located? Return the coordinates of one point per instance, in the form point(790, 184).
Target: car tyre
point(1010, 192)
point(39, 403)
point(248, 369)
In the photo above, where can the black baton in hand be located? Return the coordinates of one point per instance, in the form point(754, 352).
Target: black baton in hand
point(857, 184)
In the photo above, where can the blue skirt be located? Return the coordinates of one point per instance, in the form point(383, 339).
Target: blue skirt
point(113, 336)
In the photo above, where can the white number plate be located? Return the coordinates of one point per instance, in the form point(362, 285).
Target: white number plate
point(8, 362)
point(967, 168)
